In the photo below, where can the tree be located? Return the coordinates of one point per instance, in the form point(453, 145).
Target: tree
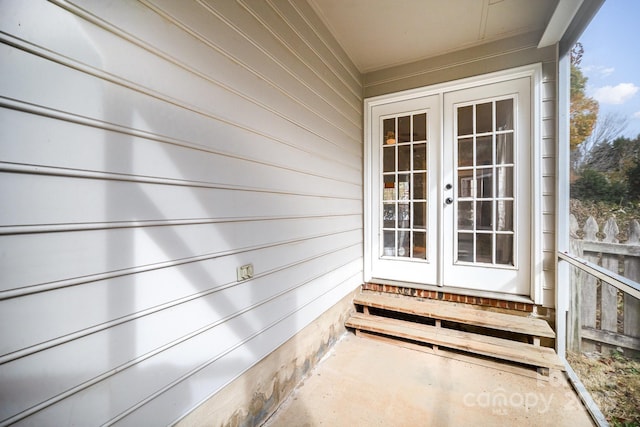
point(605, 165)
point(583, 111)
point(633, 181)
point(607, 129)
point(594, 185)
point(614, 158)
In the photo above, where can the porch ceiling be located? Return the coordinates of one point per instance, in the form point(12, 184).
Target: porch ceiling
point(377, 34)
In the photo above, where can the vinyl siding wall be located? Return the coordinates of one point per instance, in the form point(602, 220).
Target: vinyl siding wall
point(548, 167)
point(148, 149)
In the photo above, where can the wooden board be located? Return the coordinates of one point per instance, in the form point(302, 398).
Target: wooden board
point(447, 311)
point(474, 343)
point(474, 359)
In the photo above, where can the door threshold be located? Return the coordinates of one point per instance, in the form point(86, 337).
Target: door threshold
point(523, 299)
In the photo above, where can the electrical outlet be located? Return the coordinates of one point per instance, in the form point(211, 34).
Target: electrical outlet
point(245, 272)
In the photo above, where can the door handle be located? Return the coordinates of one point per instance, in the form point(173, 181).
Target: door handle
point(448, 200)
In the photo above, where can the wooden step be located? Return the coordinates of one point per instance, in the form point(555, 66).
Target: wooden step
point(460, 314)
point(514, 351)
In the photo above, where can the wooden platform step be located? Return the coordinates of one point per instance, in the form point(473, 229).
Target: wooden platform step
point(453, 312)
point(514, 351)
point(498, 335)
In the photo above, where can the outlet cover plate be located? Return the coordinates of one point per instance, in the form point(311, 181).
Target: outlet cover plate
point(245, 272)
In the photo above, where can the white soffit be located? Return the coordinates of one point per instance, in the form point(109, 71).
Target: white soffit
point(378, 34)
point(562, 17)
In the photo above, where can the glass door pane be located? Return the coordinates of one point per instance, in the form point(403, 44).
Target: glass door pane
point(484, 230)
point(404, 180)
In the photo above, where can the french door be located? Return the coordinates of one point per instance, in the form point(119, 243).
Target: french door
point(404, 190)
point(451, 188)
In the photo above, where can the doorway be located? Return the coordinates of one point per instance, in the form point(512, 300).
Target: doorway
point(450, 187)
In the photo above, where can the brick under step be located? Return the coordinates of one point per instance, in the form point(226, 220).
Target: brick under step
point(478, 343)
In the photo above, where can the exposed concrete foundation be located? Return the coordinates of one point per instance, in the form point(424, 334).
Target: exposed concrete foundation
point(254, 396)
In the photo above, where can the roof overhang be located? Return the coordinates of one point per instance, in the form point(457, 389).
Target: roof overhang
point(560, 20)
point(380, 34)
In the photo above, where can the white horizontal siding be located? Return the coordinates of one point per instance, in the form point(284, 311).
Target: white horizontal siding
point(153, 286)
point(47, 257)
point(107, 102)
point(148, 149)
point(548, 170)
point(192, 149)
point(214, 374)
point(149, 201)
point(196, 317)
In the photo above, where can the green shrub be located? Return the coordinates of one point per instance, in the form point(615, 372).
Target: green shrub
point(633, 181)
point(592, 185)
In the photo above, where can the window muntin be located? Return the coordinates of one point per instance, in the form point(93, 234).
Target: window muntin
point(404, 182)
point(484, 173)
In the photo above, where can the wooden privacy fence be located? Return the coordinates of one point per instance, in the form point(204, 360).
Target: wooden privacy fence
point(600, 314)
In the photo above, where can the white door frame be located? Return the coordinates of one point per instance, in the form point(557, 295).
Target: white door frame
point(534, 72)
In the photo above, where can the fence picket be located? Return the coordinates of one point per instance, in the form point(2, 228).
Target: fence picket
point(589, 309)
point(574, 322)
point(609, 293)
point(588, 301)
point(631, 314)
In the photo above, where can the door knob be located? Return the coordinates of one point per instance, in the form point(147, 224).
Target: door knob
point(448, 187)
point(448, 200)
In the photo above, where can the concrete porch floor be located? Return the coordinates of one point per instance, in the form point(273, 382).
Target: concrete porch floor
point(362, 382)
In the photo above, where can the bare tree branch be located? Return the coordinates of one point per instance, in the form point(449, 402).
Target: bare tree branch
point(606, 130)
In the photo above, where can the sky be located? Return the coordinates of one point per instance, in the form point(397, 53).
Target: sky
point(611, 61)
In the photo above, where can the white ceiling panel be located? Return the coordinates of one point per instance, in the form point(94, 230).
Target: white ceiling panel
point(378, 34)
